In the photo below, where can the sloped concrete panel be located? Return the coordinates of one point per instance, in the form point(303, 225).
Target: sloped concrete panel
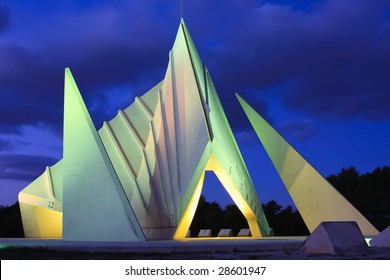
point(315, 199)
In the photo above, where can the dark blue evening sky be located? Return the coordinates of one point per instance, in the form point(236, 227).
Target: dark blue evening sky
point(318, 71)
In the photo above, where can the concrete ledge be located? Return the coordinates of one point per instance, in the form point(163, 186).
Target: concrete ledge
point(165, 246)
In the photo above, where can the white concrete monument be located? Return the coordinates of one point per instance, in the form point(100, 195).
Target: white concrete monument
point(141, 175)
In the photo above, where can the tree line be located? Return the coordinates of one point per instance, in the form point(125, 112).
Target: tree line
point(369, 193)
point(11, 221)
point(284, 221)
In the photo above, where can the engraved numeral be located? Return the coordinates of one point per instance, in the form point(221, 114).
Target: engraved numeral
point(51, 204)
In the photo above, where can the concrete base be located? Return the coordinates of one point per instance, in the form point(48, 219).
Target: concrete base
point(205, 233)
point(336, 238)
point(244, 232)
point(225, 233)
point(382, 239)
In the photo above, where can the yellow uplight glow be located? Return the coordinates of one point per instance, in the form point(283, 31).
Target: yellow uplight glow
point(223, 177)
point(41, 222)
point(189, 213)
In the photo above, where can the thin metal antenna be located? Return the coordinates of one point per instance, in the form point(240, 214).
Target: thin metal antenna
point(181, 9)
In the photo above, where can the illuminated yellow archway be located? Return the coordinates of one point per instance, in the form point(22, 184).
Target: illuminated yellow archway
point(223, 176)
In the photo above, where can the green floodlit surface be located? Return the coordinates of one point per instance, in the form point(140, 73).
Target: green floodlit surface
point(368, 239)
point(3, 246)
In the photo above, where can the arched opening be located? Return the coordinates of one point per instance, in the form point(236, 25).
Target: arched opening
point(213, 166)
point(216, 210)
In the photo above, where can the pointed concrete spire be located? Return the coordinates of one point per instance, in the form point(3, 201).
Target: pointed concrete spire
point(315, 199)
point(94, 204)
point(162, 145)
point(204, 138)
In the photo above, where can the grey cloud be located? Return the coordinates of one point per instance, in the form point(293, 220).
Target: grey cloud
point(301, 130)
point(332, 59)
point(5, 146)
point(23, 167)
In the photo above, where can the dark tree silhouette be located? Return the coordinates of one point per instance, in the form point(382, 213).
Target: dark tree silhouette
point(271, 210)
point(11, 221)
point(284, 221)
point(207, 216)
point(369, 193)
point(345, 182)
point(234, 219)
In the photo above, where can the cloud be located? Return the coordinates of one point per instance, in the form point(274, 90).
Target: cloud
point(5, 146)
point(334, 60)
point(301, 130)
point(10, 129)
point(23, 167)
point(104, 49)
point(331, 57)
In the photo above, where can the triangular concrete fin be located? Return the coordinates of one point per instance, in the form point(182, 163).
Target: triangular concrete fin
point(46, 190)
point(151, 99)
point(95, 206)
point(40, 187)
point(315, 199)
